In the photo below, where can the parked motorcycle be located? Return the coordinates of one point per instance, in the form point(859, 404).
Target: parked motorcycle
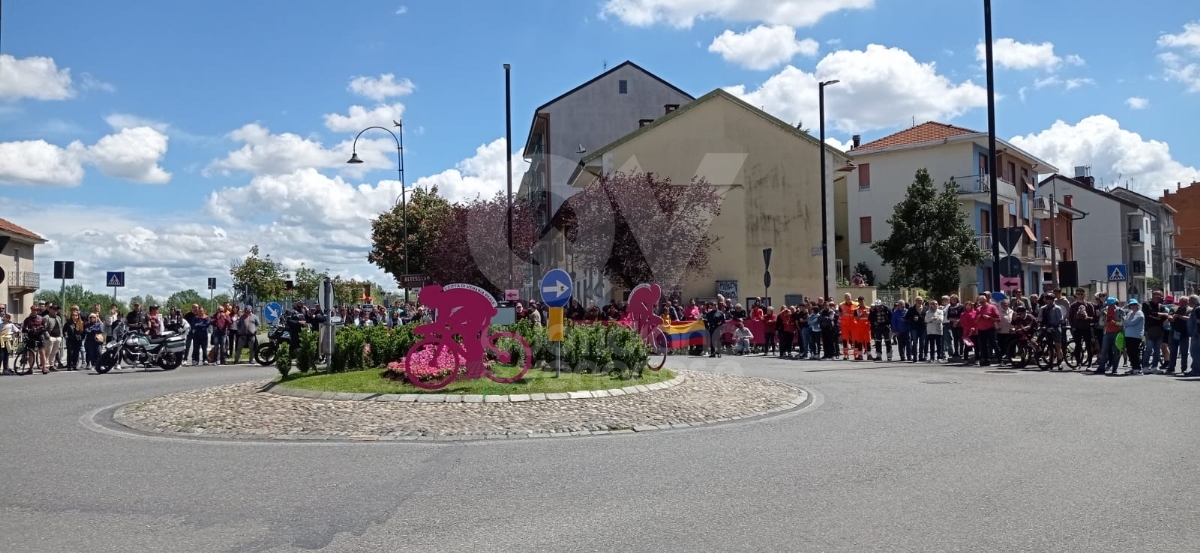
point(265, 352)
point(135, 348)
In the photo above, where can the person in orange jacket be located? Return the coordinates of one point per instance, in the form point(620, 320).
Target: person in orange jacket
point(846, 318)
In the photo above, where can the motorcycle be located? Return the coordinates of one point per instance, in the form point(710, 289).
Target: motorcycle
point(165, 351)
point(265, 352)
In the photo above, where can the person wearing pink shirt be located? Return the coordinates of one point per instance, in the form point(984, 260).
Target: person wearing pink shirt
point(986, 317)
point(969, 339)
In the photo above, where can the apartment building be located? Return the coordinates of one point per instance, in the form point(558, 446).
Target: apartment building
point(1162, 232)
point(887, 166)
point(18, 280)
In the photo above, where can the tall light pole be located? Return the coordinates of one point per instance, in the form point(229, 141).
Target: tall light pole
point(824, 185)
point(992, 177)
point(508, 150)
point(403, 192)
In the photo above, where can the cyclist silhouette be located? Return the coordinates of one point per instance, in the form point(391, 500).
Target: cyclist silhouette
point(463, 311)
point(642, 301)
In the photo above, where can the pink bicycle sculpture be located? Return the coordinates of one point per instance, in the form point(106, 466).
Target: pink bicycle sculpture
point(642, 301)
point(462, 311)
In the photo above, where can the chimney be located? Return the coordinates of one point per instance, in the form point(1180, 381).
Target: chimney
point(1068, 200)
point(644, 122)
point(1089, 182)
point(857, 141)
point(671, 107)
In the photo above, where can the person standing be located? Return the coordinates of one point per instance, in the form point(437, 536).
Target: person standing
point(714, 319)
point(221, 323)
point(1178, 341)
point(935, 317)
point(93, 338)
point(297, 319)
point(8, 341)
point(1155, 318)
point(1134, 327)
point(900, 329)
point(1081, 318)
point(881, 329)
point(986, 317)
point(1193, 326)
point(54, 335)
point(954, 311)
point(247, 335)
point(73, 336)
point(1110, 317)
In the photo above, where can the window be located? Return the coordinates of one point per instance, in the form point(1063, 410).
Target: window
point(1012, 221)
point(985, 221)
point(1012, 172)
point(622, 86)
point(983, 165)
point(864, 230)
point(864, 176)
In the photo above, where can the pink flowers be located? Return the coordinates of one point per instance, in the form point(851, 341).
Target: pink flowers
point(426, 368)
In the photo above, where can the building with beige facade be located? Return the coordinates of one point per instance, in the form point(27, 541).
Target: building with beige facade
point(769, 173)
point(18, 280)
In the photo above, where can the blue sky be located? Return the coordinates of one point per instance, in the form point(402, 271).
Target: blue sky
point(193, 73)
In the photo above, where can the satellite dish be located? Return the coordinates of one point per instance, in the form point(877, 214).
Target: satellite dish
point(581, 150)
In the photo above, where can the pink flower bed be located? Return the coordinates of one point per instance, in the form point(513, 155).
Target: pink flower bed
point(426, 369)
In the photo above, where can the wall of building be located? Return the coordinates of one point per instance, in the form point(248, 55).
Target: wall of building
point(16, 259)
point(1103, 237)
point(1186, 201)
point(891, 173)
point(773, 201)
point(598, 115)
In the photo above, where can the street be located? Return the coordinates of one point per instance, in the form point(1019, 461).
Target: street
point(887, 457)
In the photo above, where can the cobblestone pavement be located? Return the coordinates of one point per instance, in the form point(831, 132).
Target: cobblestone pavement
point(241, 411)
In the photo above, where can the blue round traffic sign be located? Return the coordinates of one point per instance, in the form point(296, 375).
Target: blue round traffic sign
point(556, 288)
point(272, 312)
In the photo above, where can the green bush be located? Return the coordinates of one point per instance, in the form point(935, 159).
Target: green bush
point(283, 360)
point(306, 358)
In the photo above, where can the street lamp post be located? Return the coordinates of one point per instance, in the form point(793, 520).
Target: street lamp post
point(994, 206)
point(354, 159)
point(508, 151)
point(824, 206)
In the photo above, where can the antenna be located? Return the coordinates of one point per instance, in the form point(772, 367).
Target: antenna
point(605, 65)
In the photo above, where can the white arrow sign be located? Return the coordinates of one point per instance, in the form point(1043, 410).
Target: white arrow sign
point(558, 289)
point(273, 313)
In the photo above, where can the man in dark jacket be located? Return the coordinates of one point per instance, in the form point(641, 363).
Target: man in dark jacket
point(296, 320)
point(714, 319)
point(881, 329)
point(1081, 317)
point(1178, 341)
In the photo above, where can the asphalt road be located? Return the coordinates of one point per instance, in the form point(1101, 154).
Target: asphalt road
point(886, 458)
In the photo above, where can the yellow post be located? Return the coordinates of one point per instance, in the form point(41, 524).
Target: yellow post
point(555, 326)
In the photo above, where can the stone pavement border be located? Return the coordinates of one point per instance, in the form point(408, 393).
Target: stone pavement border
point(116, 418)
point(457, 398)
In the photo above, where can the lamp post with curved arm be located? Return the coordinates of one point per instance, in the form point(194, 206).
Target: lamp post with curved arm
point(354, 159)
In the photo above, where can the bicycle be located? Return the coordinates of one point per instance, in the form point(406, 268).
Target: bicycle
point(25, 360)
point(1049, 356)
point(659, 345)
point(462, 366)
point(1075, 355)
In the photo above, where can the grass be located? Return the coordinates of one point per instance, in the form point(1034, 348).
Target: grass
point(536, 381)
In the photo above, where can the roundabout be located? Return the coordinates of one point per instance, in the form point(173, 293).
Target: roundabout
point(265, 411)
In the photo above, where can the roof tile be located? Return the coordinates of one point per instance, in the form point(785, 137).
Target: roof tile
point(925, 132)
point(11, 227)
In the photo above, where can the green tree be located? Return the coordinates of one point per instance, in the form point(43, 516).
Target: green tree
point(388, 232)
point(263, 275)
point(184, 299)
point(76, 294)
point(931, 238)
point(308, 282)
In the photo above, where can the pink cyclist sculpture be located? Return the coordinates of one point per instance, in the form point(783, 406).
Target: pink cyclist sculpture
point(462, 311)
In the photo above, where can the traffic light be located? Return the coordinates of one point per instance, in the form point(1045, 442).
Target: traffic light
point(289, 285)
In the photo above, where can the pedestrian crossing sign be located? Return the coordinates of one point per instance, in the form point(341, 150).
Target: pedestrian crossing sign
point(1117, 273)
point(116, 279)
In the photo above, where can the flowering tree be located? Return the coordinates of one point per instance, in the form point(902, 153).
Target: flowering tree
point(471, 243)
point(659, 230)
point(388, 232)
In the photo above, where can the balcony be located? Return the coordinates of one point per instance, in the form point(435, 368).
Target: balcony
point(1137, 267)
point(1135, 236)
point(985, 242)
point(27, 281)
point(1045, 254)
point(979, 188)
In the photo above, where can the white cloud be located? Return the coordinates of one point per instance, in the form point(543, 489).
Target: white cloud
point(1073, 59)
point(382, 87)
point(1177, 67)
point(88, 82)
point(1010, 54)
point(480, 175)
point(1189, 39)
point(1137, 103)
point(880, 87)
point(133, 153)
point(119, 121)
point(684, 13)
point(402, 10)
point(1069, 84)
point(1100, 142)
point(263, 153)
point(762, 47)
point(359, 117)
point(38, 78)
point(39, 163)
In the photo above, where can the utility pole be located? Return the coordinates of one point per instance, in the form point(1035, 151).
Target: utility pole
point(992, 177)
point(508, 155)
